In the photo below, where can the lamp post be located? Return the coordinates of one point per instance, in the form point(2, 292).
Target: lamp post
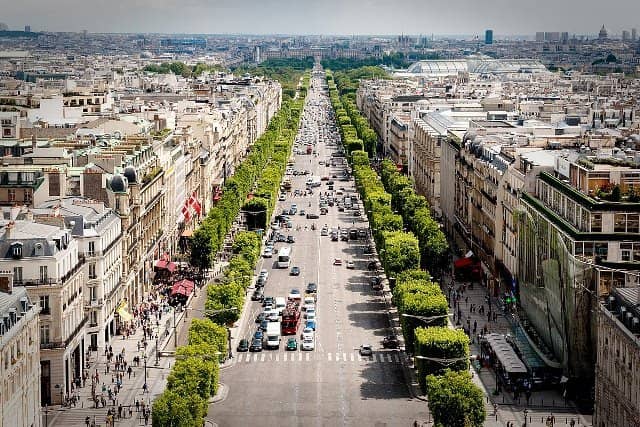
point(144, 357)
point(46, 415)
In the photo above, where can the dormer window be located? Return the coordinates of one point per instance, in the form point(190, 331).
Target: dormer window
point(39, 249)
point(16, 250)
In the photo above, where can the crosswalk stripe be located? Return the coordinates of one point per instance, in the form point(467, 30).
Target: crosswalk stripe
point(285, 357)
point(359, 357)
point(310, 356)
point(277, 356)
point(248, 358)
point(262, 357)
point(255, 357)
point(329, 356)
point(397, 359)
point(307, 357)
point(352, 357)
point(344, 357)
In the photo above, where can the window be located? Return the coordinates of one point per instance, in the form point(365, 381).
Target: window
point(93, 320)
point(620, 223)
point(625, 255)
point(17, 274)
point(45, 337)
point(93, 295)
point(92, 248)
point(596, 222)
point(92, 270)
point(44, 304)
point(6, 132)
point(44, 274)
point(39, 249)
point(12, 195)
point(16, 250)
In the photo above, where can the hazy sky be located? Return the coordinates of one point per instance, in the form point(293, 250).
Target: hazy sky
point(323, 16)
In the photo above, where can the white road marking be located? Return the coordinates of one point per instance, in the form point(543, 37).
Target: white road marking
point(389, 357)
point(344, 357)
point(307, 357)
point(262, 357)
point(285, 357)
point(396, 358)
point(255, 357)
point(329, 357)
point(248, 358)
point(359, 357)
point(352, 357)
point(277, 357)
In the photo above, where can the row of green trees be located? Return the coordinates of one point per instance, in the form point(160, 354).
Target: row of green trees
point(194, 377)
point(442, 354)
point(416, 215)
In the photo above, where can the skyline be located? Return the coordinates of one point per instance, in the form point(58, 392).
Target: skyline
point(331, 17)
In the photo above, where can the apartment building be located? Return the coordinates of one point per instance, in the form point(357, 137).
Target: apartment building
point(98, 232)
point(617, 389)
point(19, 355)
point(46, 262)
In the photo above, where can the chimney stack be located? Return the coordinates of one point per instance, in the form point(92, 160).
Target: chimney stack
point(8, 230)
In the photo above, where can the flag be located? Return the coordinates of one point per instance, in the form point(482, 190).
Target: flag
point(186, 213)
point(196, 204)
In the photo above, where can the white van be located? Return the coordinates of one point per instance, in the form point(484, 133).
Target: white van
point(281, 303)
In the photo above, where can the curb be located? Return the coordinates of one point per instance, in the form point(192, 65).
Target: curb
point(221, 395)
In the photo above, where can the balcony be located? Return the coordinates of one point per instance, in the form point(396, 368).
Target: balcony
point(54, 345)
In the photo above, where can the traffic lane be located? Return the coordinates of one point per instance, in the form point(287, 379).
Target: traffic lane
point(309, 394)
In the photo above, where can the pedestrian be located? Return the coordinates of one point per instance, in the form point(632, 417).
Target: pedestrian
point(137, 405)
point(119, 411)
point(146, 418)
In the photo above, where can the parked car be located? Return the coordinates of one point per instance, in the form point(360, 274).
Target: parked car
point(350, 264)
point(292, 344)
point(312, 288)
point(258, 295)
point(295, 271)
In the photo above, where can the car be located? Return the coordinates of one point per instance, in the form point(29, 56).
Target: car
point(334, 237)
point(312, 216)
point(308, 344)
point(260, 317)
point(310, 311)
point(264, 273)
point(272, 315)
point(295, 294)
point(311, 324)
point(309, 302)
point(324, 211)
point(260, 282)
point(267, 253)
point(263, 324)
point(295, 271)
point(324, 231)
point(390, 341)
point(292, 344)
point(275, 226)
point(289, 224)
point(268, 301)
point(257, 295)
point(291, 239)
point(324, 178)
point(368, 249)
point(306, 332)
point(243, 346)
point(344, 236)
point(282, 197)
point(337, 261)
point(256, 345)
point(302, 212)
point(281, 237)
point(258, 334)
point(366, 350)
point(362, 233)
point(350, 265)
point(340, 207)
point(312, 288)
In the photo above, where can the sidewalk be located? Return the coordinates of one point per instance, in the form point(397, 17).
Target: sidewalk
point(132, 388)
point(543, 403)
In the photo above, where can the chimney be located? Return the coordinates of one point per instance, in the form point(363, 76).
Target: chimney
point(8, 230)
point(29, 215)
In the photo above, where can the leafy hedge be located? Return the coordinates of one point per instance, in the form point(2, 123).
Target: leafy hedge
point(454, 400)
point(440, 343)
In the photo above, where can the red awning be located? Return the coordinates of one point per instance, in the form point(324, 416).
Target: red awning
point(463, 263)
point(165, 265)
point(183, 287)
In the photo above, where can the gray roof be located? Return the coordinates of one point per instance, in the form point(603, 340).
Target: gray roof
point(11, 308)
point(85, 217)
point(30, 235)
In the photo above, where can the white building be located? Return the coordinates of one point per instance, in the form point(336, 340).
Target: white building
point(19, 356)
point(99, 234)
point(44, 258)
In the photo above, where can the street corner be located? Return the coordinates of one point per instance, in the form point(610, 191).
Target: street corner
point(221, 395)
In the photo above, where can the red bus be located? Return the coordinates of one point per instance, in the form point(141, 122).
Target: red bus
point(291, 318)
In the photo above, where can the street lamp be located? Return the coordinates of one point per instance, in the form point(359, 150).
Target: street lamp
point(144, 357)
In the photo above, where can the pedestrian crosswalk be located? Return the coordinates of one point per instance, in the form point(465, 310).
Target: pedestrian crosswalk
point(312, 356)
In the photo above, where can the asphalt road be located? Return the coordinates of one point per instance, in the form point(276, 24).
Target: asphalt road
point(333, 384)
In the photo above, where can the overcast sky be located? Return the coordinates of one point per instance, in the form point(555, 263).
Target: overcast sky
point(323, 16)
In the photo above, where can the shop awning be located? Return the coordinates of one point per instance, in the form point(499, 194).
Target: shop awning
point(122, 311)
point(463, 263)
point(183, 287)
point(165, 265)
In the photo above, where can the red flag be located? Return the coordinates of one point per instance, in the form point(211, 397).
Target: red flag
point(186, 212)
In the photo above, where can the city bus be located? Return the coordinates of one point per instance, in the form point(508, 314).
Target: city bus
point(284, 257)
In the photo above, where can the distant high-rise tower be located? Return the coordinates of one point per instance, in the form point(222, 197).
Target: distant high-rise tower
point(602, 35)
point(634, 34)
point(625, 35)
point(488, 37)
point(4, 27)
point(540, 36)
point(27, 28)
